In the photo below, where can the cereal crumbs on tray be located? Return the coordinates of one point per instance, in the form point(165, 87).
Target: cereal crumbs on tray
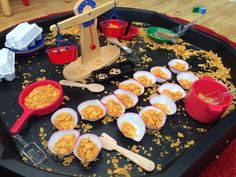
point(42, 136)
point(107, 120)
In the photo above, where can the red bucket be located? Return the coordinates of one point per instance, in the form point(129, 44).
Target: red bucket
point(113, 27)
point(62, 54)
point(201, 110)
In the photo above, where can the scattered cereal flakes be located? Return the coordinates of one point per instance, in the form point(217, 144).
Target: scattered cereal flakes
point(180, 135)
point(25, 159)
point(134, 149)
point(176, 143)
point(77, 126)
point(140, 169)
point(86, 127)
point(189, 143)
point(107, 120)
point(122, 171)
point(158, 167)
point(108, 161)
point(40, 78)
point(42, 136)
point(67, 160)
point(42, 70)
point(109, 171)
point(49, 169)
point(201, 130)
point(66, 98)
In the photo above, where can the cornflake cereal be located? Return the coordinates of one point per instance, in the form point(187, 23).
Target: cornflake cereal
point(159, 73)
point(162, 107)
point(92, 112)
point(152, 118)
point(126, 100)
point(174, 95)
point(114, 108)
point(185, 83)
point(65, 144)
point(132, 87)
point(206, 98)
point(128, 129)
point(41, 96)
point(179, 66)
point(144, 80)
point(111, 25)
point(64, 121)
point(87, 150)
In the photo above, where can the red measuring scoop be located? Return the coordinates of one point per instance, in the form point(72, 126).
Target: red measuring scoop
point(36, 112)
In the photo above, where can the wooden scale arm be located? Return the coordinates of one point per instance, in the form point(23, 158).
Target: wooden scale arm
point(84, 17)
point(93, 57)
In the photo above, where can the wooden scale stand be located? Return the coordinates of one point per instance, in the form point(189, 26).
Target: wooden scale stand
point(93, 56)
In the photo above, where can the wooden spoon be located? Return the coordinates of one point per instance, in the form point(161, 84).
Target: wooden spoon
point(110, 144)
point(96, 88)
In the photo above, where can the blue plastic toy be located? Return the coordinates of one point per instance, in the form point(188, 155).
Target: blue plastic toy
point(202, 10)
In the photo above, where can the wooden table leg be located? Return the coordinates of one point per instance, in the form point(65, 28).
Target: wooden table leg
point(6, 7)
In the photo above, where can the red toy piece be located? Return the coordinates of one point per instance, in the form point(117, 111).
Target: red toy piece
point(26, 2)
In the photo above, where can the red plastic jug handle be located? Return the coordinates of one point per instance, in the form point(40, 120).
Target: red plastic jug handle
point(20, 122)
point(215, 109)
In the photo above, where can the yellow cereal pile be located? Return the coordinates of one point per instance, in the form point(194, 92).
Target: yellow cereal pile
point(159, 73)
point(174, 95)
point(65, 144)
point(185, 83)
point(162, 107)
point(179, 66)
point(114, 108)
point(144, 80)
point(126, 100)
point(41, 96)
point(92, 112)
point(132, 87)
point(87, 150)
point(128, 129)
point(64, 121)
point(152, 118)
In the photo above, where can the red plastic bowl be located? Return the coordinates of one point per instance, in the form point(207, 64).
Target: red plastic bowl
point(66, 54)
point(113, 32)
point(201, 110)
point(133, 31)
point(36, 112)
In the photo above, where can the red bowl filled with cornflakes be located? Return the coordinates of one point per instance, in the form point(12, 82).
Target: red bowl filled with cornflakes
point(113, 27)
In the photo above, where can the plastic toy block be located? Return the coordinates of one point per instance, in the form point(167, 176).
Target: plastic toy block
point(195, 9)
point(202, 10)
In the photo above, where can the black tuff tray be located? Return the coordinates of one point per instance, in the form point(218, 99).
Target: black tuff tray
point(188, 162)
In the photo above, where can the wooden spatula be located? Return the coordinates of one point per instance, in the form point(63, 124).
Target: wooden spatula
point(110, 144)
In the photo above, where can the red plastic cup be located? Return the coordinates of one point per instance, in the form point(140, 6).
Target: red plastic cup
point(113, 32)
point(201, 110)
point(36, 112)
point(66, 54)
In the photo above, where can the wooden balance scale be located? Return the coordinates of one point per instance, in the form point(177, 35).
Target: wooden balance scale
point(93, 56)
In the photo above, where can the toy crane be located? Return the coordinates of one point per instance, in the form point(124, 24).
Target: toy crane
point(93, 56)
